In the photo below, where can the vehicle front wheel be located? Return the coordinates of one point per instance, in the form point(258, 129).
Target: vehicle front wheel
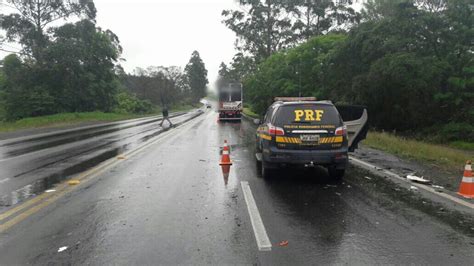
point(335, 173)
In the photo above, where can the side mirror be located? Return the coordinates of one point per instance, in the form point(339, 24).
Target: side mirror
point(256, 121)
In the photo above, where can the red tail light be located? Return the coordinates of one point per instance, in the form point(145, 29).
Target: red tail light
point(341, 131)
point(277, 131)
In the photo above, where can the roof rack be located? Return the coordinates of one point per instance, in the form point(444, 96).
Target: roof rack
point(294, 99)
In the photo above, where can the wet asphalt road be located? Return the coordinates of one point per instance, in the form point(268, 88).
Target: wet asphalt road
point(170, 204)
point(32, 164)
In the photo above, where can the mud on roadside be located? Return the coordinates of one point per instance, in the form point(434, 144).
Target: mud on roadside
point(402, 200)
point(439, 176)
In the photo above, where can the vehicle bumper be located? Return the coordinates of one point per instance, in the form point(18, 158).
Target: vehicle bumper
point(275, 156)
point(230, 115)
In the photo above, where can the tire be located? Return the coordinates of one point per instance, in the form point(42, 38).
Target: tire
point(266, 172)
point(258, 165)
point(335, 173)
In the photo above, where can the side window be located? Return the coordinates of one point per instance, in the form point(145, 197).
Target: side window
point(268, 115)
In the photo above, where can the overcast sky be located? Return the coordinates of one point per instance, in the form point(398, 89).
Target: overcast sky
point(166, 32)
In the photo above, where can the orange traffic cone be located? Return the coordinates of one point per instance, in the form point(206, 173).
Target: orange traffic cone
point(467, 184)
point(225, 159)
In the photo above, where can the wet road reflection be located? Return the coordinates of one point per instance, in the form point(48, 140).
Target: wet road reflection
point(332, 222)
point(170, 205)
point(32, 165)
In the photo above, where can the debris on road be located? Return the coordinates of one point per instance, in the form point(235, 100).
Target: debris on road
point(413, 188)
point(50, 190)
point(61, 249)
point(73, 182)
point(283, 243)
point(339, 194)
point(418, 179)
point(437, 188)
point(121, 157)
point(368, 178)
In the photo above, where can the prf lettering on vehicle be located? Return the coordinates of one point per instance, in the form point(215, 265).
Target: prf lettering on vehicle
point(308, 115)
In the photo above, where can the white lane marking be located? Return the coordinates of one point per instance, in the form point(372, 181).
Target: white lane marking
point(263, 242)
point(424, 187)
point(4, 180)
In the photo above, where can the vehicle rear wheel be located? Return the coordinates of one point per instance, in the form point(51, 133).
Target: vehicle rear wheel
point(266, 172)
point(335, 173)
point(258, 165)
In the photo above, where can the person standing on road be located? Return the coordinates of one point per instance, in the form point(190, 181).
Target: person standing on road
point(165, 116)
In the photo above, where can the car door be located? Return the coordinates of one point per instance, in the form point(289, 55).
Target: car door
point(355, 118)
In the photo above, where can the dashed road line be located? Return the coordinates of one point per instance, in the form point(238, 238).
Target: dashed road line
point(263, 242)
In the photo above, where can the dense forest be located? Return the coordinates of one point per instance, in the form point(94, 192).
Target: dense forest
point(411, 62)
point(75, 67)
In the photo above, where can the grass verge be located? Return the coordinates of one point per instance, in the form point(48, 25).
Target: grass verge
point(63, 120)
point(446, 157)
point(67, 119)
point(247, 111)
point(469, 146)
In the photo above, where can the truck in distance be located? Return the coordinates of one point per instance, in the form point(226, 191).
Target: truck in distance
point(230, 102)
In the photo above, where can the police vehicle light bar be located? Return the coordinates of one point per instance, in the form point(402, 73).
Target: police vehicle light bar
point(294, 99)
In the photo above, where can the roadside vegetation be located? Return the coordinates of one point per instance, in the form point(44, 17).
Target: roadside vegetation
point(411, 62)
point(248, 112)
point(68, 119)
point(443, 156)
point(67, 72)
point(63, 119)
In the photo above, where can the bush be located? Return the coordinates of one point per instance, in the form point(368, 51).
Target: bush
point(2, 106)
point(457, 131)
point(128, 103)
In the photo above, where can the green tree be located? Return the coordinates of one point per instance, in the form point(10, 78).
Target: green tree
point(223, 76)
point(318, 17)
point(28, 24)
point(78, 74)
point(81, 67)
point(410, 64)
point(196, 75)
point(262, 27)
point(298, 71)
point(158, 84)
point(24, 95)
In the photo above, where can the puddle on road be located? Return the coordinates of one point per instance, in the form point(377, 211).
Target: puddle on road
point(70, 137)
point(48, 182)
